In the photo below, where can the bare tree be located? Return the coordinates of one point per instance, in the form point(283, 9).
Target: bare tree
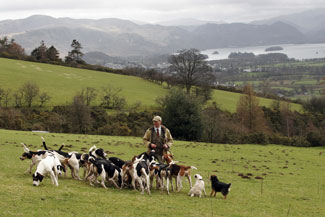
point(30, 92)
point(18, 98)
point(112, 99)
point(2, 91)
point(89, 94)
point(286, 114)
point(80, 115)
point(6, 97)
point(190, 66)
point(249, 113)
point(44, 98)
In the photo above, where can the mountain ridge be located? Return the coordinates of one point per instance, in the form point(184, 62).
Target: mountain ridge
point(118, 37)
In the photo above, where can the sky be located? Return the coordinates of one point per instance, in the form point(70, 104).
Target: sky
point(152, 11)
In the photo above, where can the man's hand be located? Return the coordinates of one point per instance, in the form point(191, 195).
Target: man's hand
point(153, 146)
point(165, 146)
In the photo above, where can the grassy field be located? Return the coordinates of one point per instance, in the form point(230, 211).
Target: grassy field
point(228, 101)
point(62, 83)
point(293, 185)
point(306, 82)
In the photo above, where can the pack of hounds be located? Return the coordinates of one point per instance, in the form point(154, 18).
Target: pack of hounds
point(139, 173)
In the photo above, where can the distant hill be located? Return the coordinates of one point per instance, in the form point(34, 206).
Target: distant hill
point(117, 37)
point(186, 22)
point(306, 21)
point(98, 58)
point(240, 34)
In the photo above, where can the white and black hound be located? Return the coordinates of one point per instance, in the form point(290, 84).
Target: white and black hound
point(67, 159)
point(106, 170)
point(97, 152)
point(161, 172)
point(35, 156)
point(117, 161)
point(139, 171)
point(49, 165)
point(178, 172)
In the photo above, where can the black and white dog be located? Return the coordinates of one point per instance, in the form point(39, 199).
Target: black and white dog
point(49, 165)
point(117, 161)
point(83, 162)
point(162, 173)
point(139, 171)
point(35, 156)
point(97, 152)
point(67, 159)
point(106, 170)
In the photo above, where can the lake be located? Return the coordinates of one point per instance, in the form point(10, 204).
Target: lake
point(297, 51)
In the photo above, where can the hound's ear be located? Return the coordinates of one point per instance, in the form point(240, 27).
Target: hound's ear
point(25, 148)
point(62, 168)
point(40, 177)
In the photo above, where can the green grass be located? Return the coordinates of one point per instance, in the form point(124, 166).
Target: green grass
point(303, 63)
point(297, 190)
point(228, 101)
point(306, 82)
point(284, 88)
point(62, 83)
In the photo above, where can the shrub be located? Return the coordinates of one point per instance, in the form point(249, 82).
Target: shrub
point(181, 113)
point(256, 138)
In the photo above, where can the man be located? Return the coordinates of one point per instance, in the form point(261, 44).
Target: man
point(158, 138)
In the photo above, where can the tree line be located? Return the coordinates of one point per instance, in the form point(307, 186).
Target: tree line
point(188, 116)
point(30, 96)
point(42, 53)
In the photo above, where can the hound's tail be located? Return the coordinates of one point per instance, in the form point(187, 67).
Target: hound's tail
point(61, 147)
point(92, 148)
point(44, 143)
point(190, 167)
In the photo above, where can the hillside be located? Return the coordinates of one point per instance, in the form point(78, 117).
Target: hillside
point(293, 180)
point(62, 83)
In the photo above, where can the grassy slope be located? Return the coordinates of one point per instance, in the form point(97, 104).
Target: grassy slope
point(300, 186)
point(228, 101)
point(62, 83)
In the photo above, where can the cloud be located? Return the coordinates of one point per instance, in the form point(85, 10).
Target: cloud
point(152, 11)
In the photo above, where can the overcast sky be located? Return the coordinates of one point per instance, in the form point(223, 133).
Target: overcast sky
point(154, 11)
